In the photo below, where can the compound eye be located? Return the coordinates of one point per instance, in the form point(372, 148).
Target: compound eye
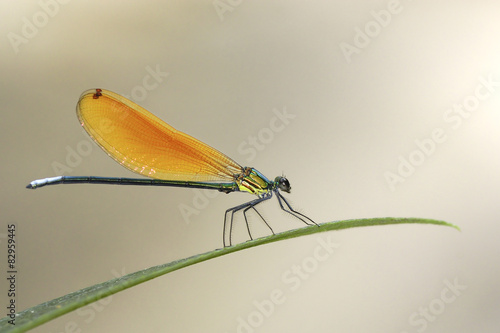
point(284, 184)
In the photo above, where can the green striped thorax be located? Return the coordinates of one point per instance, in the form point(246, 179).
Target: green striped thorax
point(254, 182)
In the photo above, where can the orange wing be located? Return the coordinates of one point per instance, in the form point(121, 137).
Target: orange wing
point(145, 144)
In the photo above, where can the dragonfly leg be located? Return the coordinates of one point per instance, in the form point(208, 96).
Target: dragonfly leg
point(235, 209)
point(291, 211)
point(263, 219)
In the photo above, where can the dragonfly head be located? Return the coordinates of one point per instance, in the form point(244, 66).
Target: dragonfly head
point(283, 184)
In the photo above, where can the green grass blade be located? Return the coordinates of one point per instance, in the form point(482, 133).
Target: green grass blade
point(42, 313)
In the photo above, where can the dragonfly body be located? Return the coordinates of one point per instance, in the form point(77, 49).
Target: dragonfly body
point(146, 145)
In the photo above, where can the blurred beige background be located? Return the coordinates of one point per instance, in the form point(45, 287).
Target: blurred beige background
point(393, 110)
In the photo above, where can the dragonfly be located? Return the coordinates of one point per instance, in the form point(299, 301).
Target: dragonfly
point(146, 145)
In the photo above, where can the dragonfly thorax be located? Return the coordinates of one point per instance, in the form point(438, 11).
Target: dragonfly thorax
point(252, 181)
